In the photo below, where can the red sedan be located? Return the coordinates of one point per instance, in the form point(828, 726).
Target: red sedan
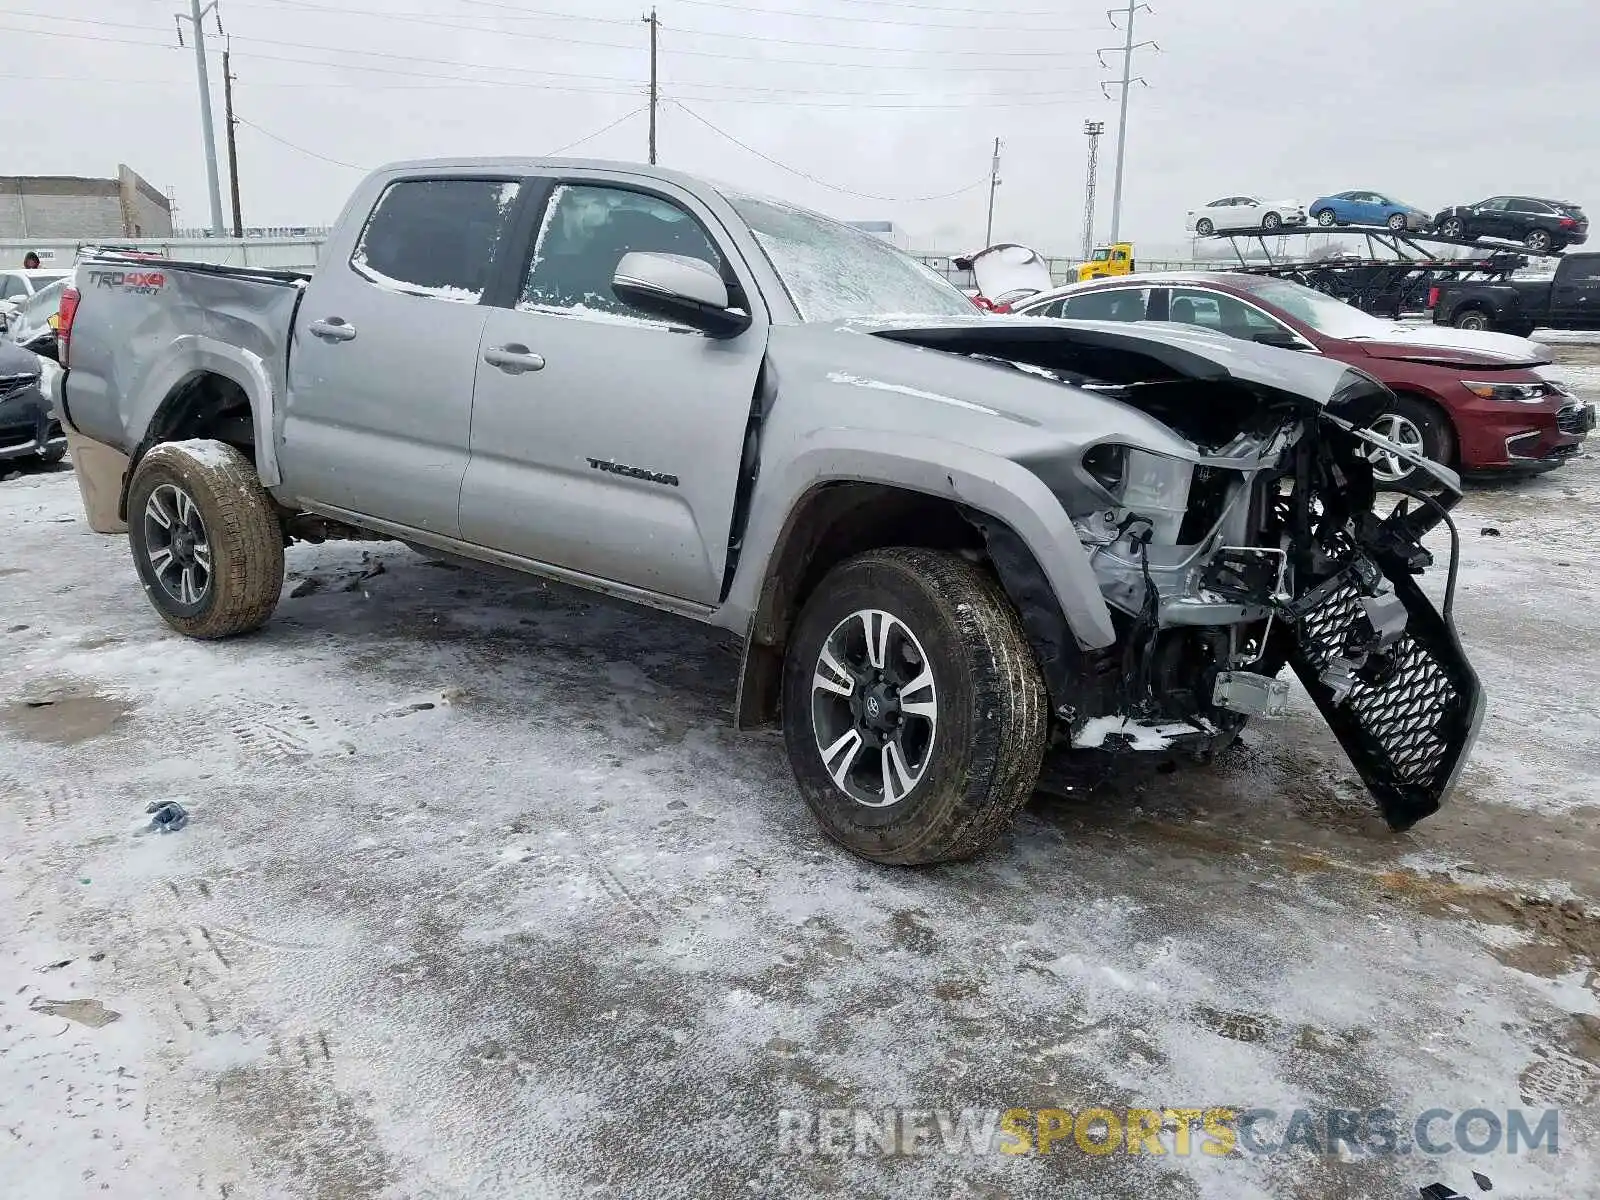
point(1474, 401)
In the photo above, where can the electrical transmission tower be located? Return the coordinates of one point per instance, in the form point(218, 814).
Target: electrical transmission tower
point(1127, 81)
point(1094, 129)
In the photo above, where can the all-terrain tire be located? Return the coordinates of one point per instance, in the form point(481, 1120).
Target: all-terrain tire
point(238, 523)
point(992, 708)
point(1476, 319)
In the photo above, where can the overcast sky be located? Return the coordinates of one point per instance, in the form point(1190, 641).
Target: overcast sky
point(1441, 101)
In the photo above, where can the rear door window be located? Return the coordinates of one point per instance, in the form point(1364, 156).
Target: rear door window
point(1110, 304)
point(436, 237)
point(1529, 206)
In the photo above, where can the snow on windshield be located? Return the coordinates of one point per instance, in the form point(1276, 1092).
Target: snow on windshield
point(833, 272)
point(1322, 312)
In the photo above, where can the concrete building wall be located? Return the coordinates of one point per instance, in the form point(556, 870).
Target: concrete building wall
point(71, 206)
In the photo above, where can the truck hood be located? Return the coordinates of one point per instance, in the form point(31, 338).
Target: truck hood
point(1452, 347)
point(1118, 352)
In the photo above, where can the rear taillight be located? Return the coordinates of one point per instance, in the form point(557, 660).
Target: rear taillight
point(1433, 297)
point(1568, 223)
point(68, 311)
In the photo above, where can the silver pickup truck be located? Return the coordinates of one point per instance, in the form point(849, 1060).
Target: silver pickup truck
point(947, 540)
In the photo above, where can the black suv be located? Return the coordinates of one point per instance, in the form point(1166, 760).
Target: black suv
point(1543, 226)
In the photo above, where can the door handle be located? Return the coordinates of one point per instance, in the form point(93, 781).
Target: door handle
point(513, 358)
point(333, 329)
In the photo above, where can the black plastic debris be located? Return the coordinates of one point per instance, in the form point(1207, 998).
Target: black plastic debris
point(1488, 531)
point(1482, 1181)
point(167, 816)
point(1441, 1191)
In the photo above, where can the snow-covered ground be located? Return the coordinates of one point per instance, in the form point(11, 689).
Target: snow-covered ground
point(481, 896)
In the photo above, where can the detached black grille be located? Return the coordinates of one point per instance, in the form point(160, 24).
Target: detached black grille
point(1571, 419)
point(1406, 727)
point(1403, 714)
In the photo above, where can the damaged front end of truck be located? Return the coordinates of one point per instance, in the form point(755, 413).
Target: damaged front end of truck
point(1260, 544)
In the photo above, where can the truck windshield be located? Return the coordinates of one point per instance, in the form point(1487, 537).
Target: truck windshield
point(1323, 313)
point(833, 272)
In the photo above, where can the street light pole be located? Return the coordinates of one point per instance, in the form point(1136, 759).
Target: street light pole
point(197, 13)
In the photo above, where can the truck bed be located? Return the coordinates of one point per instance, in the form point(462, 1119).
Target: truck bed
point(145, 325)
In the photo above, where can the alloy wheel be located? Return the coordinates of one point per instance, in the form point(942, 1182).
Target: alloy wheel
point(874, 708)
point(1387, 466)
point(176, 545)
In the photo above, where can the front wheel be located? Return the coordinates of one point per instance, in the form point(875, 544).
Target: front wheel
point(1326, 219)
point(914, 712)
point(206, 541)
point(1204, 227)
point(1397, 222)
point(1453, 227)
point(1271, 222)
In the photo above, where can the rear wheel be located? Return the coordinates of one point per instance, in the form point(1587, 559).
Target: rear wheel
point(1271, 222)
point(914, 712)
point(1539, 241)
point(206, 540)
point(1413, 425)
point(1204, 227)
point(1472, 318)
point(1326, 219)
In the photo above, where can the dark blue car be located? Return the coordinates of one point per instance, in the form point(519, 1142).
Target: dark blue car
point(1367, 208)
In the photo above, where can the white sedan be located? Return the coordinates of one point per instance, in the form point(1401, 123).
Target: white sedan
point(1244, 212)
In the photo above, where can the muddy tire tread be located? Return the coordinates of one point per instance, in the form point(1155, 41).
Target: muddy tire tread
point(244, 531)
point(1008, 690)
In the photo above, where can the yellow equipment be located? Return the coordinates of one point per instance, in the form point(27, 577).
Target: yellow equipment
point(1115, 259)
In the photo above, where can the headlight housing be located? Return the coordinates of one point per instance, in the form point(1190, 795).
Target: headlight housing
point(1515, 393)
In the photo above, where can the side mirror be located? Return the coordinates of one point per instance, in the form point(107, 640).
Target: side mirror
point(1281, 338)
point(678, 288)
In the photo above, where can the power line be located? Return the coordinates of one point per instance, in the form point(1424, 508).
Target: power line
point(339, 66)
point(589, 137)
point(1041, 101)
point(338, 162)
point(830, 17)
point(832, 187)
point(1002, 99)
point(430, 20)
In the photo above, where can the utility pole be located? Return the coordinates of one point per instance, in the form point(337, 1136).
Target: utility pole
point(655, 27)
point(196, 15)
point(1094, 129)
point(994, 182)
point(233, 147)
point(1128, 80)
